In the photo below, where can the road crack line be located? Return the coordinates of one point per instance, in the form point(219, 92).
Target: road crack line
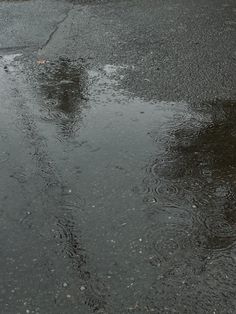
point(56, 28)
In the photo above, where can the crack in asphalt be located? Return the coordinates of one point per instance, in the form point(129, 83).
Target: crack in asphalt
point(56, 28)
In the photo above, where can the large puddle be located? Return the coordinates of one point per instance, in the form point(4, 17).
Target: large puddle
point(139, 196)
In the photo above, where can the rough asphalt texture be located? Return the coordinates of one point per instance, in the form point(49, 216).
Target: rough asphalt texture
point(118, 156)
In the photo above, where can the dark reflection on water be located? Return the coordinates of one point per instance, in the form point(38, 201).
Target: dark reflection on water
point(186, 228)
point(192, 197)
point(64, 89)
point(210, 151)
point(208, 158)
point(61, 87)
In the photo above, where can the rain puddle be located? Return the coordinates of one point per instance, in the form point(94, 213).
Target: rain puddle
point(140, 194)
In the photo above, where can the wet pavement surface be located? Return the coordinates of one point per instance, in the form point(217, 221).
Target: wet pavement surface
point(118, 157)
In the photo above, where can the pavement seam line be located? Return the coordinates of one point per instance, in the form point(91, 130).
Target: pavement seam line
point(56, 28)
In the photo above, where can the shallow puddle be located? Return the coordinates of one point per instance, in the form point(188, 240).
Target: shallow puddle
point(139, 196)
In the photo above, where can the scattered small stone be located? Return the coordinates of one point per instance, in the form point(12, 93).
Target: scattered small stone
point(41, 61)
point(68, 296)
point(82, 288)
point(133, 307)
point(194, 206)
point(65, 284)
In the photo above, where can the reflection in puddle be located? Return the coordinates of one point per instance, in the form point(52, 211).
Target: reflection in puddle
point(63, 89)
point(199, 166)
point(192, 185)
point(188, 191)
point(209, 159)
point(150, 218)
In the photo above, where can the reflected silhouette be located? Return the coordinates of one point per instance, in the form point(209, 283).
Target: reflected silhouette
point(64, 89)
point(212, 149)
point(210, 158)
point(192, 232)
point(200, 164)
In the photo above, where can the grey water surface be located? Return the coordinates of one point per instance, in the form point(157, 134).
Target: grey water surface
point(118, 157)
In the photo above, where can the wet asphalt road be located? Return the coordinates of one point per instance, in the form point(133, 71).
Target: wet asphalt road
point(118, 157)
